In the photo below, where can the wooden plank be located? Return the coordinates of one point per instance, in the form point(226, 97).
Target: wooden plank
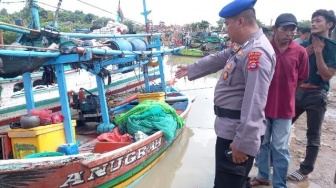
point(103, 147)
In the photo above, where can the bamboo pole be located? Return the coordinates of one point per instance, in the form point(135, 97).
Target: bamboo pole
point(1, 37)
point(20, 27)
point(29, 47)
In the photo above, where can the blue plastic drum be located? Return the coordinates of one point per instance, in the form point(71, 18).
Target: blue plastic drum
point(120, 44)
point(138, 45)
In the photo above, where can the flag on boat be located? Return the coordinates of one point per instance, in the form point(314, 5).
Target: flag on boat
point(120, 14)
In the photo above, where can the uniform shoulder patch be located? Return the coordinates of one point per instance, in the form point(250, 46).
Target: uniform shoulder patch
point(253, 60)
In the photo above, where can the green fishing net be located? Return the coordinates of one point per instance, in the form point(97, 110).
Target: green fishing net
point(150, 116)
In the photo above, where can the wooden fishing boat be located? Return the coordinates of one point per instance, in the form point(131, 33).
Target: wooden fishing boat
point(54, 156)
point(102, 164)
point(201, 44)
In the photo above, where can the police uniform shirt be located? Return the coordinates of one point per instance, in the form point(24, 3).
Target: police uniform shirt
point(247, 71)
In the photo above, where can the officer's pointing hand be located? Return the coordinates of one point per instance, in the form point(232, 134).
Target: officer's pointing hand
point(182, 71)
point(238, 156)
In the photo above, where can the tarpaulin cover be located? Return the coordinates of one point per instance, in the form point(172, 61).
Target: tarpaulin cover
point(115, 136)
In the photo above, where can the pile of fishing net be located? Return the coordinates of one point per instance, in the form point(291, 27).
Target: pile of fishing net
point(150, 116)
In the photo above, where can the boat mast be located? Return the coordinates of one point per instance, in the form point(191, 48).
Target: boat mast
point(54, 24)
point(145, 14)
point(160, 59)
point(34, 24)
point(35, 19)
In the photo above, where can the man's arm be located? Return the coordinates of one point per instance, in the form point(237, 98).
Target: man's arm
point(324, 71)
point(303, 69)
point(209, 64)
point(299, 83)
point(248, 133)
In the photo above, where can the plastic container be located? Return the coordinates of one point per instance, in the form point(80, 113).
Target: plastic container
point(68, 149)
point(39, 139)
point(28, 122)
point(138, 45)
point(160, 96)
point(154, 62)
point(5, 146)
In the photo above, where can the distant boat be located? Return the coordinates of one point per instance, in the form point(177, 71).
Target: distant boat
point(198, 44)
point(191, 52)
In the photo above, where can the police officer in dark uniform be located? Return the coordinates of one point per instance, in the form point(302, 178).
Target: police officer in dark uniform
point(240, 94)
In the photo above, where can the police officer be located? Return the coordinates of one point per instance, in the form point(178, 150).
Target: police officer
point(240, 94)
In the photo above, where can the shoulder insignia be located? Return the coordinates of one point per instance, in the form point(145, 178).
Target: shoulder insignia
point(225, 75)
point(253, 60)
point(228, 66)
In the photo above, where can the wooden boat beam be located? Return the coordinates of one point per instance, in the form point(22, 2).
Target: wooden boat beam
point(1, 37)
point(62, 88)
point(94, 51)
point(88, 35)
point(28, 91)
point(14, 29)
point(102, 96)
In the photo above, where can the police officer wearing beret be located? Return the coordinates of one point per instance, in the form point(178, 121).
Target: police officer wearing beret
point(240, 94)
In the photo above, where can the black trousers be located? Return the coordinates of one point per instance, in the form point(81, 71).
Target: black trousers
point(314, 103)
point(229, 174)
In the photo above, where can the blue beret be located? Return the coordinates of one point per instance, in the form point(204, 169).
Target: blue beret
point(236, 7)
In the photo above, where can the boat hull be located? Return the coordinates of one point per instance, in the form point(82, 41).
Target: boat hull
point(117, 168)
point(13, 66)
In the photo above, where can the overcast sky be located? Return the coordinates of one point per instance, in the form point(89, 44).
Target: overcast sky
point(185, 11)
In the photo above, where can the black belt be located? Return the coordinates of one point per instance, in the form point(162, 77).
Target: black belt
point(227, 113)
